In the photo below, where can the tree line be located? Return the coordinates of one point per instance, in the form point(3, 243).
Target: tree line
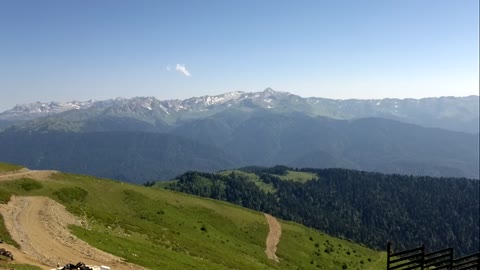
point(365, 207)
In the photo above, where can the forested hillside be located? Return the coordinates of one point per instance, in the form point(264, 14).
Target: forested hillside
point(127, 156)
point(133, 152)
point(369, 208)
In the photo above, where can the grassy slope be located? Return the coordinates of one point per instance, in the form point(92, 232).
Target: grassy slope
point(5, 236)
point(10, 266)
point(290, 176)
point(5, 167)
point(162, 229)
point(251, 177)
point(301, 177)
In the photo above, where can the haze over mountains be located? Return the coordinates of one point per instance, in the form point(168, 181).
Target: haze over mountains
point(143, 138)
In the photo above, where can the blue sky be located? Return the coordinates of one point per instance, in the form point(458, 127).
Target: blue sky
point(65, 50)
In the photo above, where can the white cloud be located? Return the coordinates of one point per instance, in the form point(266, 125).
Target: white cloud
point(182, 69)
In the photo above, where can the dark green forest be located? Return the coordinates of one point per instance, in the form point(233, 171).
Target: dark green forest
point(365, 207)
point(136, 151)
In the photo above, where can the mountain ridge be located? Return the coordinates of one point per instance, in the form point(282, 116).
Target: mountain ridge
point(268, 139)
point(454, 113)
point(264, 129)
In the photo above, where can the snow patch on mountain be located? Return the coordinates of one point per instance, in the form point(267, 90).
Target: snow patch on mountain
point(151, 110)
point(38, 109)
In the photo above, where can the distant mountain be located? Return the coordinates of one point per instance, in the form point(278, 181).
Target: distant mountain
point(7, 123)
point(39, 109)
point(147, 139)
point(372, 144)
point(262, 138)
point(127, 156)
point(453, 113)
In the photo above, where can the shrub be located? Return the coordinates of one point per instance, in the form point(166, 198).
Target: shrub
point(30, 184)
point(4, 196)
point(66, 195)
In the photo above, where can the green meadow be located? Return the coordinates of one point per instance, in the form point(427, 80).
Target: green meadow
point(161, 229)
point(5, 167)
point(301, 177)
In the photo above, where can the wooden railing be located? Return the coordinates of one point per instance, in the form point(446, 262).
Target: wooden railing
point(416, 258)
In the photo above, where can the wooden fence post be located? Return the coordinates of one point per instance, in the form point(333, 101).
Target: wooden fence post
point(450, 267)
point(422, 262)
point(388, 254)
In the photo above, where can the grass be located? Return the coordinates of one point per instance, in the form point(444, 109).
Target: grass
point(28, 184)
point(161, 229)
point(5, 236)
point(298, 176)
point(10, 266)
point(252, 177)
point(320, 251)
point(5, 167)
point(164, 184)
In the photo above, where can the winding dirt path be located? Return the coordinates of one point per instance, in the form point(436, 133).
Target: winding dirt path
point(273, 237)
point(39, 225)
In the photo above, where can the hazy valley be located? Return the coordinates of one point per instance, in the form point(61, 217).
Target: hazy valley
point(144, 139)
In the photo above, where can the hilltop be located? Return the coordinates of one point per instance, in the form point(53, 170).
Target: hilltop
point(161, 229)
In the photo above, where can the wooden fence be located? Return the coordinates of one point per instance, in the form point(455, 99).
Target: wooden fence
point(417, 258)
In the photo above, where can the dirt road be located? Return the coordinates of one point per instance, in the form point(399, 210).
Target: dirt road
point(34, 174)
point(39, 225)
point(273, 237)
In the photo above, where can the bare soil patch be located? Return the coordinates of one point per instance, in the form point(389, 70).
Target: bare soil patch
point(39, 225)
point(273, 237)
point(26, 173)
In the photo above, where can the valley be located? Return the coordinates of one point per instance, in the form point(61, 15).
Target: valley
point(263, 140)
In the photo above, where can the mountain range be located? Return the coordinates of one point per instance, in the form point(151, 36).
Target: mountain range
point(453, 113)
point(143, 139)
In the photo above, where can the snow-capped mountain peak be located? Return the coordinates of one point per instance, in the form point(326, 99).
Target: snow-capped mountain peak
point(142, 105)
point(38, 109)
point(269, 90)
point(214, 100)
point(152, 110)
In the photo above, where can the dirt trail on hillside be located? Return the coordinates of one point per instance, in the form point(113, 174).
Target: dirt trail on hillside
point(273, 237)
point(34, 174)
point(39, 225)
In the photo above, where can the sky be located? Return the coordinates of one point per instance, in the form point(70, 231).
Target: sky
point(79, 50)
